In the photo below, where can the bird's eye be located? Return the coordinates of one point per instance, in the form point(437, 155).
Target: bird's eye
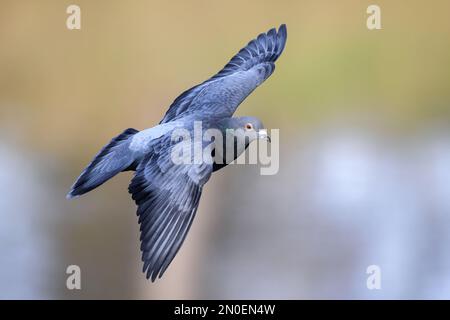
point(248, 126)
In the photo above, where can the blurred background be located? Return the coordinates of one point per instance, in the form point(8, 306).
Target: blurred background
point(364, 119)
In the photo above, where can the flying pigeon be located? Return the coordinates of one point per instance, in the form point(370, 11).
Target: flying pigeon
point(166, 193)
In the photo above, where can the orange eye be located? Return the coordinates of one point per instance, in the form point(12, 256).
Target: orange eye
point(248, 126)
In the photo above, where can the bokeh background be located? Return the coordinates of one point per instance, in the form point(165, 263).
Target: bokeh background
point(364, 162)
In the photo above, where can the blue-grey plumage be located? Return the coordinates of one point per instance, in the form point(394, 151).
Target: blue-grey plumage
point(167, 194)
point(221, 94)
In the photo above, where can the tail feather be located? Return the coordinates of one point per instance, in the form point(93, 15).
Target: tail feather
point(112, 159)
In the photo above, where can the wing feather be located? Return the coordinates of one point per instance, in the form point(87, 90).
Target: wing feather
point(221, 94)
point(167, 196)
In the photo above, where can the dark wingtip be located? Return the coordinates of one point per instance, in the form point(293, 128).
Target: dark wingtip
point(72, 195)
point(282, 37)
point(76, 191)
point(279, 41)
point(151, 275)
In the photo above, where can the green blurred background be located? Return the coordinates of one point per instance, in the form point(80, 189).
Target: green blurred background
point(365, 150)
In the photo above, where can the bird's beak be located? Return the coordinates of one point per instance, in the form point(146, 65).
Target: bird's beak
point(262, 134)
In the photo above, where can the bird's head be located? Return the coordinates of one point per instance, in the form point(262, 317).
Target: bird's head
point(247, 128)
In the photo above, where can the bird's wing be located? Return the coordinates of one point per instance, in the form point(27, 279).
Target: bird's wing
point(167, 195)
point(222, 94)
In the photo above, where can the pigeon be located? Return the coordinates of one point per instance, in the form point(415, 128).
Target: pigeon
point(167, 192)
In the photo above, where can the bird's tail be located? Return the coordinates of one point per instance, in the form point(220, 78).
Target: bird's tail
point(112, 159)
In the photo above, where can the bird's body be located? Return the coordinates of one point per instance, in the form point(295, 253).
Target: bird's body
point(167, 193)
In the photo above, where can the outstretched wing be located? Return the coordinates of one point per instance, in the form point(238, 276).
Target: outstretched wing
point(222, 94)
point(167, 195)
